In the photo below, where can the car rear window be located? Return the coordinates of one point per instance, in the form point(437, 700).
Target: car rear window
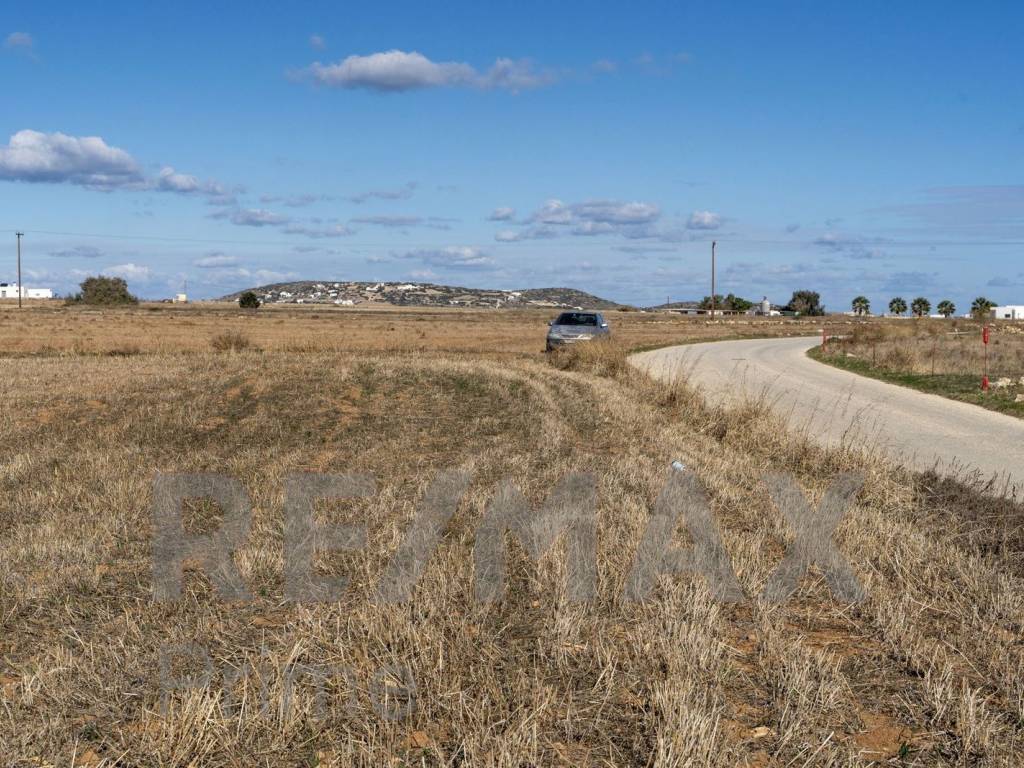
point(576, 318)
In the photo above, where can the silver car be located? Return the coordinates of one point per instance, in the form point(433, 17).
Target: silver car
point(570, 327)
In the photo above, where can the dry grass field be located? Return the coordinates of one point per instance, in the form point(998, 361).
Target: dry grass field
point(944, 357)
point(928, 671)
point(47, 328)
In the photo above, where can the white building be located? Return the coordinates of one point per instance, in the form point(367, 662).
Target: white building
point(1009, 312)
point(10, 291)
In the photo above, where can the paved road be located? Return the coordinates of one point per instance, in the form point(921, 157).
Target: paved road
point(923, 430)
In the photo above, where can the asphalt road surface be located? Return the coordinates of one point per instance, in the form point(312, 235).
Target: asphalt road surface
point(924, 431)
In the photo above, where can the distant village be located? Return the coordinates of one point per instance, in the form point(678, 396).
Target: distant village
point(347, 294)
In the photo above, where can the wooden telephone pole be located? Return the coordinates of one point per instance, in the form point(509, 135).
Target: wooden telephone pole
point(21, 288)
point(713, 243)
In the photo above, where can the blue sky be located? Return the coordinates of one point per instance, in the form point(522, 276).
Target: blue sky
point(848, 148)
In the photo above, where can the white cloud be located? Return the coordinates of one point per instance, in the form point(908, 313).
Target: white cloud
point(553, 212)
point(527, 233)
point(851, 246)
point(249, 277)
point(78, 252)
point(335, 230)
point(453, 257)
point(317, 42)
point(19, 41)
point(401, 193)
point(394, 71)
point(293, 201)
point(389, 221)
point(586, 219)
point(502, 214)
point(252, 217)
point(54, 158)
point(605, 66)
point(613, 212)
point(590, 228)
point(216, 260)
point(514, 76)
point(704, 220)
point(169, 180)
point(129, 271)
point(88, 161)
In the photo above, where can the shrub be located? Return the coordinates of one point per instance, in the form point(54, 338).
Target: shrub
point(103, 291)
point(249, 300)
point(230, 341)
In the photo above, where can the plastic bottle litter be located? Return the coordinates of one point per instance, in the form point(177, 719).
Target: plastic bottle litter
point(678, 466)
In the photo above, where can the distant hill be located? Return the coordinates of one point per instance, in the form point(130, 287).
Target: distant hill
point(420, 295)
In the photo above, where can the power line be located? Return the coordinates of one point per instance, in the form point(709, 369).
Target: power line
point(881, 243)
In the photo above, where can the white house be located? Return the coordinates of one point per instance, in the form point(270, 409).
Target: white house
point(1009, 312)
point(10, 291)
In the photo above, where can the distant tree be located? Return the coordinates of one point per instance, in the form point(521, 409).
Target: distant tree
point(946, 308)
point(738, 303)
point(249, 300)
point(104, 291)
point(806, 303)
point(981, 307)
point(730, 301)
point(897, 306)
point(920, 306)
point(861, 305)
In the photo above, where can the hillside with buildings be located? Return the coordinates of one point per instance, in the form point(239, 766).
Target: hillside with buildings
point(420, 295)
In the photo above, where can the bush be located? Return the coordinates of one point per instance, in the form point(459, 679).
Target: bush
point(230, 341)
point(103, 291)
point(249, 300)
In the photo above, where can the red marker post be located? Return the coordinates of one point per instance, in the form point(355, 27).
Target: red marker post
point(984, 341)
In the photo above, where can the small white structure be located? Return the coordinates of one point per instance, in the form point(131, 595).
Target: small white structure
point(1009, 312)
point(180, 298)
point(10, 291)
point(763, 309)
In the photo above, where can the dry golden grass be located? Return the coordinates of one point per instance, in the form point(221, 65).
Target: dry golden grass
point(54, 329)
point(928, 671)
point(943, 357)
point(930, 346)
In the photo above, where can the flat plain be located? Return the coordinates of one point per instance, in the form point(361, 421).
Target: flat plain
point(928, 670)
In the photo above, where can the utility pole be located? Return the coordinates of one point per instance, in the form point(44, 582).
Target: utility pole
point(21, 288)
point(713, 243)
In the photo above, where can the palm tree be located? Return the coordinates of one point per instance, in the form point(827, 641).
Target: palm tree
point(980, 308)
point(920, 306)
point(897, 306)
point(946, 308)
point(861, 305)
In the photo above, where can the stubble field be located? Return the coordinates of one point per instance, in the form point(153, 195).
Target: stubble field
point(928, 670)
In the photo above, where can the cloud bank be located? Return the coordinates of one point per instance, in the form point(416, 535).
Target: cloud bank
point(589, 218)
point(54, 158)
point(35, 157)
point(396, 71)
